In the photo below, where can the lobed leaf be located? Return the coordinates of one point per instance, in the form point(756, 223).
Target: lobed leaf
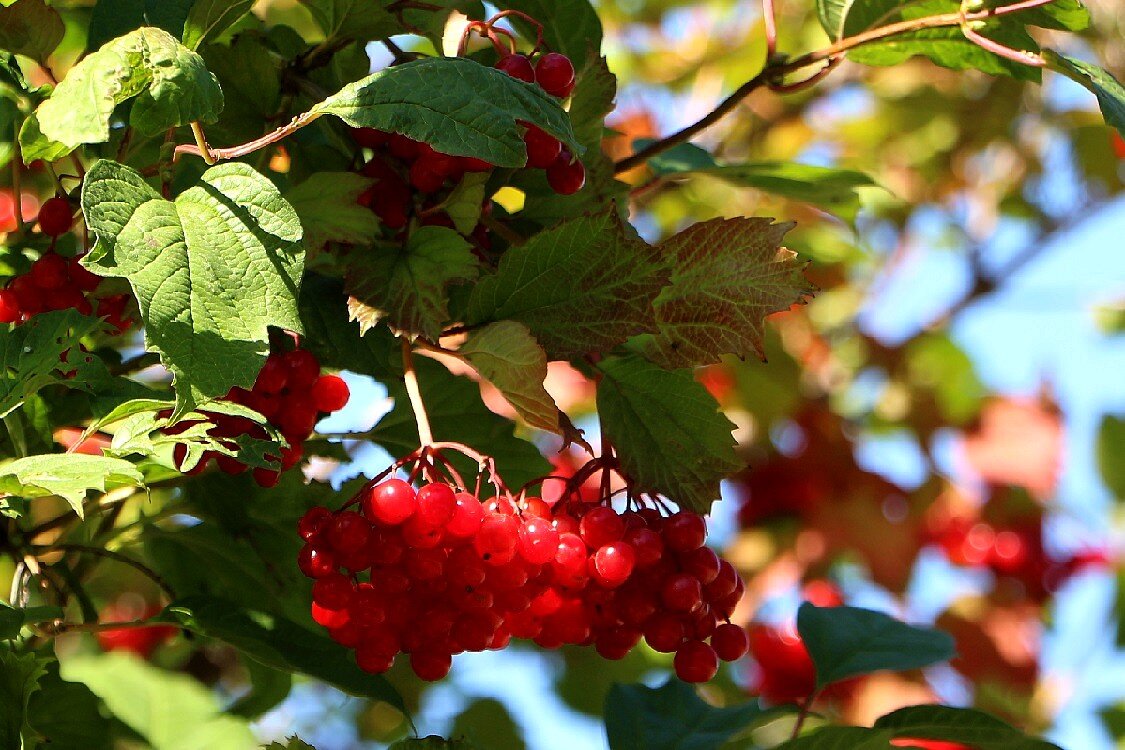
point(68, 475)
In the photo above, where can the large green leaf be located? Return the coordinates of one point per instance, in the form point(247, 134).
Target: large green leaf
point(729, 274)
point(1108, 90)
point(672, 717)
point(458, 414)
point(67, 715)
point(456, 105)
point(336, 339)
point(170, 710)
point(506, 355)
point(326, 203)
point(19, 679)
point(31, 355)
point(571, 27)
point(211, 271)
point(353, 19)
point(210, 18)
point(279, 643)
point(68, 475)
point(31, 28)
point(667, 430)
point(407, 286)
point(585, 285)
point(169, 84)
point(848, 641)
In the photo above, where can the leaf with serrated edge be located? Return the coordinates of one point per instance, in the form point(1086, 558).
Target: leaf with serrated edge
point(585, 285)
point(506, 355)
point(845, 642)
point(326, 203)
point(667, 429)
point(458, 106)
point(729, 274)
point(407, 287)
point(68, 475)
point(353, 19)
point(170, 84)
point(211, 271)
point(463, 206)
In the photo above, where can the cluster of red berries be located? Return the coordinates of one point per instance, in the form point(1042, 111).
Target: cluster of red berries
point(1015, 552)
point(434, 572)
point(58, 283)
point(291, 394)
point(402, 168)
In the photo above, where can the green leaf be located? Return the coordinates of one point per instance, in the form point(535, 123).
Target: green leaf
point(463, 206)
point(34, 145)
point(848, 641)
point(571, 27)
point(668, 432)
point(210, 18)
point(458, 414)
point(456, 105)
point(362, 20)
point(407, 287)
point(1111, 454)
point(19, 679)
point(293, 743)
point(672, 717)
point(31, 355)
point(433, 742)
point(963, 725)
point(1108, 90)
point(169, 83)
point(280, 643)
point(1065, 15)
point(31, 28)
point(249, 73)
point(268, 688)
point(170, 710)
point(335, 339)
point(113, 18)
point(506, 355)
point(211, 271)
point(729, 274)
point(586, 285)
point(68, 475)
point(67, 715)
point(326, 203)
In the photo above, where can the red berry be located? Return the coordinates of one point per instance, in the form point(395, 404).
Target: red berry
point(436, 504)
point(297, 417)
point(497, 538)
point(517, 66)
point(473, 164)
point(303, 368)
point(696, 662)
point(369, 137)
point(272, 377)
point(430, 665)
point(333, 591)
point(702, 563)
point(665, 632)
point(542, 149)
point(315, 562)
point(79, 275)
point(555, 73)
point(566, 175)
point(9, 307)
point(682, 593)
point(265, 477)
point(730, 642)
point(467, 517)
point(330, 393)
point(685, 531)
point(539, 541)
point(390, 502)
point(647, 544)
point(313, 522)
point(600, 526)
point(613, 564)
point(55, 217)
point(50, 271)
point(425, 177)
point(348, 532)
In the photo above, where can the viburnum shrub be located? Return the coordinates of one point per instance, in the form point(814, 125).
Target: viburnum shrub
point(347, 340)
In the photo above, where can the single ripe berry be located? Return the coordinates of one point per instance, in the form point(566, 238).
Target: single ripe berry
point(316, 562)
point(369, 137)
point(333, 591)
point(265, 477)
point(665, 632)
point(696, 662)
point(55, 217)
point(50, 271)
point(436, 504)
point(313, 522)
point(647, 544)
point(542, 149)
point(613, 564)
point(390, 502)
point(538, 541)
point(566, 175)
point(330, 393)
point(272, 377)
point(730, 642)
point(601, 526)
point(685, 531)
point(430, 665)
point(497, 538)
point(517, 66)
point(348, 532)
point(682, 593)
point(303, 368)
point(702, 563)
point(9, 307)
point(467, 517)
point(555, 73)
